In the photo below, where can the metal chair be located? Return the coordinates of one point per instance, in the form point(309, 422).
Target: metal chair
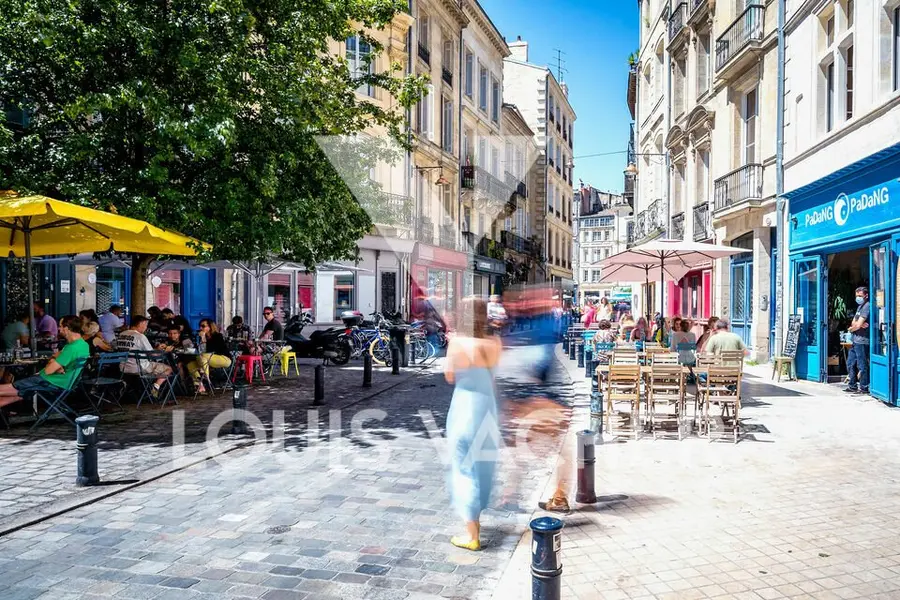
point(144, 360)
point(110, 375)
point(624, 384)
point(56, 398)
point(666, 387)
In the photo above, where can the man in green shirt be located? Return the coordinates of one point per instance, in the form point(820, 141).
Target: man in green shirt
point(59, 374)
point(724, 340)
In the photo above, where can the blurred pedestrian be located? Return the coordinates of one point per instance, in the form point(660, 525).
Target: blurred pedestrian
point(473, 431)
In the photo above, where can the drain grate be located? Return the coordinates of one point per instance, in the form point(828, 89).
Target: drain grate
point(278, 529)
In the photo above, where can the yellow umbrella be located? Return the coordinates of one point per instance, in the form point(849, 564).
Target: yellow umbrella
point(41, 226)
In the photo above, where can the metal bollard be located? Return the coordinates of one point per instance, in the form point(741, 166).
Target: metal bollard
point(86, 446)
point(586, 462)
point(588, 359)
point(404, 351)
point(239, 403)
point(579, 353)
point(395, 360)
point(546, 567)
point(319, 392)
point(566, 343)
point(367, 370)
point(571, 349)
point(596, 399)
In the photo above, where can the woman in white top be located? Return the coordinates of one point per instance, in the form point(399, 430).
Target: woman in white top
point(684, 336)
point(604, 313)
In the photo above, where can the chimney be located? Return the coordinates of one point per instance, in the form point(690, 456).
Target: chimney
point(565, 88)
point(519, 49)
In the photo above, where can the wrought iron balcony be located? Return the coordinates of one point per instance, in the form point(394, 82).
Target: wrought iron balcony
point(394, 210)
point(649, 223)
point(515, 242)
point(630, 234)
point(696, 5)
point(448, 237)
point(747, 29)
point(424, 53)
point(741, 185)
point(702, 230)
point(487, 186)
point(447, 75)
point(678, 227)
point(677, 19)
point(425, 231)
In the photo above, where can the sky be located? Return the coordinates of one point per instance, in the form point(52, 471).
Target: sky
point(596, 37)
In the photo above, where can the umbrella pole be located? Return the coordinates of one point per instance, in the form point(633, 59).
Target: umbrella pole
point(647, 293)
point(662, 292)
point(32, 338)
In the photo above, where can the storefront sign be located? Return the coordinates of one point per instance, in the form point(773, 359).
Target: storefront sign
point(847, 213)
point(488, 265)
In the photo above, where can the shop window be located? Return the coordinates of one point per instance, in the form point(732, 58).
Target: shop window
point(343, 295)
point(168, 293)
point(111, 288)
point(306, 293)
point(278, 295)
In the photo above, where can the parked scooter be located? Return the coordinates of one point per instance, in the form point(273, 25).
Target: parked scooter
point(329, 344)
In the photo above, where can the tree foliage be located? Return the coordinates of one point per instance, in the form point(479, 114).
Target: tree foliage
point(196, 115)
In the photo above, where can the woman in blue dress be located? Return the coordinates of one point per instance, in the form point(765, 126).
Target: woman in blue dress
point(473, 431)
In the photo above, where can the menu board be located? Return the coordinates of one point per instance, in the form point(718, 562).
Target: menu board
point(793, 336)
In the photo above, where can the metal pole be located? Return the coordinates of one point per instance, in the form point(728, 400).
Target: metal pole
point(26, 231)
point(780, 202)
point(367, 370)
point(586, 460)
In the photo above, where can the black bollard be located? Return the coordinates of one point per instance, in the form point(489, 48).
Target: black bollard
point(586, 462)
point(86, 446)
point(546, 566)
point(239, 403)
point(566, 343)
point(319, 392)
point(588, 359)
point(367, 370)
point(395, 360)
point(579, 353)
point(571, 349)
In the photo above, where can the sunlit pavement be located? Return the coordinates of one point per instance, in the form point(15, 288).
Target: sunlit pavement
point(803, 507)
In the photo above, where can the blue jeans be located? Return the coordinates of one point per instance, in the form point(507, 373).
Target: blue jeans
point(858, 358)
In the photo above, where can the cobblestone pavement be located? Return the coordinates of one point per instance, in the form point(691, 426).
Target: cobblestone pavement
point(804, 507)
point(37, 471)
point(312, 515)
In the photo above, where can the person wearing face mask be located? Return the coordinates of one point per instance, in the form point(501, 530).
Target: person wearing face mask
point(858, 357)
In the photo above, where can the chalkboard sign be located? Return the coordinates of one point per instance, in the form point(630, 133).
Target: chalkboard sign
point(793, 336)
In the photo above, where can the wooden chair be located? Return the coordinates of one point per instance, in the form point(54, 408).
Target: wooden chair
point(663, 358)
point(723, 387)
point(624, 356)
point(624, 385)
point(732, 358)
point(666, 387)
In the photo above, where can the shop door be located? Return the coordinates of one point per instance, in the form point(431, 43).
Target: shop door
point(893, 274)
point(199, 295)
point(808, 301)
point(742, 298)
point(880, 320)
point(388, 291)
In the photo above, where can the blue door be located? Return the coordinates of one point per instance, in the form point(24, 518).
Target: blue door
point(742, 297)
point(198, 295)
point(880, 320)
point(808, 278)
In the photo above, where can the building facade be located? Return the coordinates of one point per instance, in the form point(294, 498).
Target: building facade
point(601, 227)
point(543, 102)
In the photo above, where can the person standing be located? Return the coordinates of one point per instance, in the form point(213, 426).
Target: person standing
point(473, 431)
point(858, 357)
point(605, 313)
point(591, 315)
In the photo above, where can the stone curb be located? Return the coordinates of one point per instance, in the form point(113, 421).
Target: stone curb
point(60, 507)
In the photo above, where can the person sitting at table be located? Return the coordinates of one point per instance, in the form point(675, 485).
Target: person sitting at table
point(683, 336)
point(111, 322)
point(626, 326)
point(134, 339)
point(708, 333)
point(604, 335)
point(641, 331)
point(44, 324)
point(273, 329)
point(215, 353)
point(59, 374)
point(184, 327)
point(238, 330)
point(175, 342)
point(16, 331)
point(91, 334)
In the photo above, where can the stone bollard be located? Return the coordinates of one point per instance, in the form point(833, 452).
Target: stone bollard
point(86, 446)
point(586, 462)
point(319, 392)
point(367, 370)
point(546, 566)
point(239, 405)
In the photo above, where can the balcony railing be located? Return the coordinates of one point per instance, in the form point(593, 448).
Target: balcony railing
point(394, 210)
point(447, 75)
point(678, 227)
point(696, 4)
point(746, 28)
point(677, 19)
point(649, 222)
point(515, 242)
point(447, 237)
point(740, 185)
point(630, 234)
point(424, 53)
point(702, 230)
point(425, 231)
point(480, 180)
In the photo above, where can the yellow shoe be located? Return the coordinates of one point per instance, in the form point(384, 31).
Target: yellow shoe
point(461, 542)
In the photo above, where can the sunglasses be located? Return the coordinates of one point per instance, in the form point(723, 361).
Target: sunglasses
point(267, 313)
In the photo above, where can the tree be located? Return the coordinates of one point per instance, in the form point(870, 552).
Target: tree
point(196, 115)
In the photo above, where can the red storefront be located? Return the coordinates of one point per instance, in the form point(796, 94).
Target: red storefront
point(437, 275)
point(692, 296)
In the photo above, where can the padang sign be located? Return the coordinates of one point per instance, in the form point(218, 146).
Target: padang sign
point(847, 214)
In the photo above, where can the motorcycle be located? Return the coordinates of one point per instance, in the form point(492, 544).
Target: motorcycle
point(328, 344)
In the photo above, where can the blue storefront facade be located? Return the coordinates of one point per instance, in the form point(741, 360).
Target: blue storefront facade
point(854, 215)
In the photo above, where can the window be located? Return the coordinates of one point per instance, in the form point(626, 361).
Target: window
point(585, 276)
point(361, 62)
point(702, 176)
point(678, 85)
point(424, 113)
point(595, 276)
point(480, 223)
point(750, 113)
point(482, 153)
point(829, 31)
point(850, 13)
point(447, 58)
point(495, 162)
point(483, 89)
point(558, 157)
point(470, 73)
point(606, 252)
point(424, 39)
point(447, 125)
point(571, 135)
point(551, 151)
point(604, 222)
point(829, 97)
point(467, 148)
point(343, 295)
point(848, 76)
point(495, 100)
point(606, 235)
point(551, 108)
point(703, 66)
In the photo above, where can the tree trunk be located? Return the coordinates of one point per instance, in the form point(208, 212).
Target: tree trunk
point(140, 264)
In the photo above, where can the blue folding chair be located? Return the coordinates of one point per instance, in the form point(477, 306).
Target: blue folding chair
point(148, 378)
point(56, 398)
point(109, 376)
